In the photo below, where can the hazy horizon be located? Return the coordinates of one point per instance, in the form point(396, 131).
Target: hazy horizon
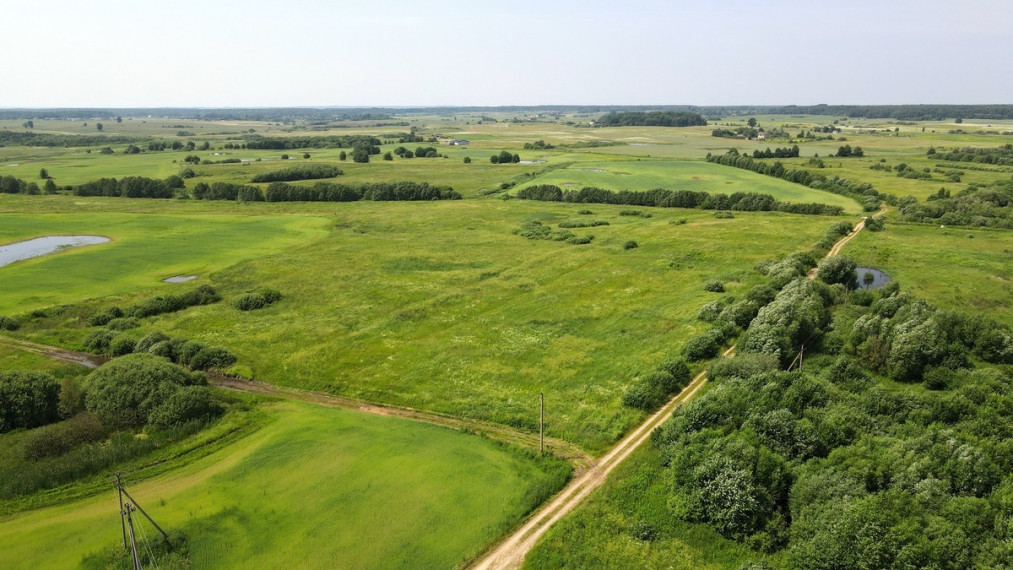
point(230, 54)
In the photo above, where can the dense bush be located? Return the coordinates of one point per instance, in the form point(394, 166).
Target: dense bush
point(59, 438)
point(650, 391)
point(249, 302)
point(203, 295)
point(212, 358)
point(122, 344)
point(714, 287)
point(28, 399)
point(103, 318)
point(631, 244)
point(838, 269)
point(8, 324)
point(126, 391)
point(305, 172)
point(707, 344)
point(187, 404)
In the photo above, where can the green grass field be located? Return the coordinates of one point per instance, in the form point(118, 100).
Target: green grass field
point(143, 251)
point(966, 269)
point(440, 306)
point(317, 487)
point(696, 176)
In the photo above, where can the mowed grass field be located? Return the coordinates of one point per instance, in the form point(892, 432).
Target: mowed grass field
point(698, 176)
point(441, 306)
point(966, 269)
point(316, 488)
point(144, 250)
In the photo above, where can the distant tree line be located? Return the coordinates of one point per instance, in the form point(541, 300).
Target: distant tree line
point(306, 172)
point(651, 119)
point(869, 197)
point(13, 138)
point(330, 141)
point(325, 192)
point(662, 198)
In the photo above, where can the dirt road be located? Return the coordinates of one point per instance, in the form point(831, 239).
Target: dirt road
point(510, 553)
point(580, 460)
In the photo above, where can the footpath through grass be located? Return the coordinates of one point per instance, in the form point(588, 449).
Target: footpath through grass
point(317, 487)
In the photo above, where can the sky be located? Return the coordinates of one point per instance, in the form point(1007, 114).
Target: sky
point(254, 53)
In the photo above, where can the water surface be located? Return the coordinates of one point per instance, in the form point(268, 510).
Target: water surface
point(877, 279)
point(38, 247)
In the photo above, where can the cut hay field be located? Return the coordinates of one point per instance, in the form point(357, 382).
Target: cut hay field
point(440, 306)
point(316, 487)
point(697, 176)
point(966, 269)
point(144, 250)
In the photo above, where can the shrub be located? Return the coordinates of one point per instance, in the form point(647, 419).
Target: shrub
point(187, 404)
point(582, 223)
point(57, 439)
point(28, 399)
point(121, 345)
point(186, 353)
point(584, 212)
point(212, 357)
point(709, 312)
point(745, 365)
point(8, 324)
point(149, 340)
point(723, 215)
point(580, 240)
point(305, 172)
point(714, 287)
point(270, 295)
point(125, 391)
point(249, 302)
point(678, 369)
point(631, 245)
point(838, 269)
point(705, 345)
point(123, 324)
point(98, 341)
point(203, 295)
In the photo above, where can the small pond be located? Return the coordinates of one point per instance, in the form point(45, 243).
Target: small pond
point(869, 278)
point(179, 279)
point(44, 246)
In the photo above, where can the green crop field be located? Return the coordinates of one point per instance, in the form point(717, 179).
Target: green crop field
point(304, 491)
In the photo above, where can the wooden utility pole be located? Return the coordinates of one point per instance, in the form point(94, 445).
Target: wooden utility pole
point(127, 509)
point(123, 524)
point(541, 423)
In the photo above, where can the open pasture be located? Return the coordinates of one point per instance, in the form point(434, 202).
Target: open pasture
point(144, 250)
point(440, 306)
point(316, 487)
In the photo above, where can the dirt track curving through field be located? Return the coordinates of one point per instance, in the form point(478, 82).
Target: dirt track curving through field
point(511, 552)
point(576, 456)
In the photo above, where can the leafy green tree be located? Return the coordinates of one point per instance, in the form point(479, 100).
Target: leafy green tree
point(28, 399)
point(838, 269)
point(29, 124)
point(467, 160)
point(98, 126)
point(342, 155)
point(49, 187)
point(126, 391)
point(44, 174)
point(360, 155)
point(751, 122)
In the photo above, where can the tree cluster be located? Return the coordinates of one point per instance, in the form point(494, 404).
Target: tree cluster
point(291, 143)
point(326, 192)
point(651, 119)
point(126, 187)
point(777, 152)
point(306, 172)
point(28, 399)
point(976, 205)
point(662, 198)
point(504, 157)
